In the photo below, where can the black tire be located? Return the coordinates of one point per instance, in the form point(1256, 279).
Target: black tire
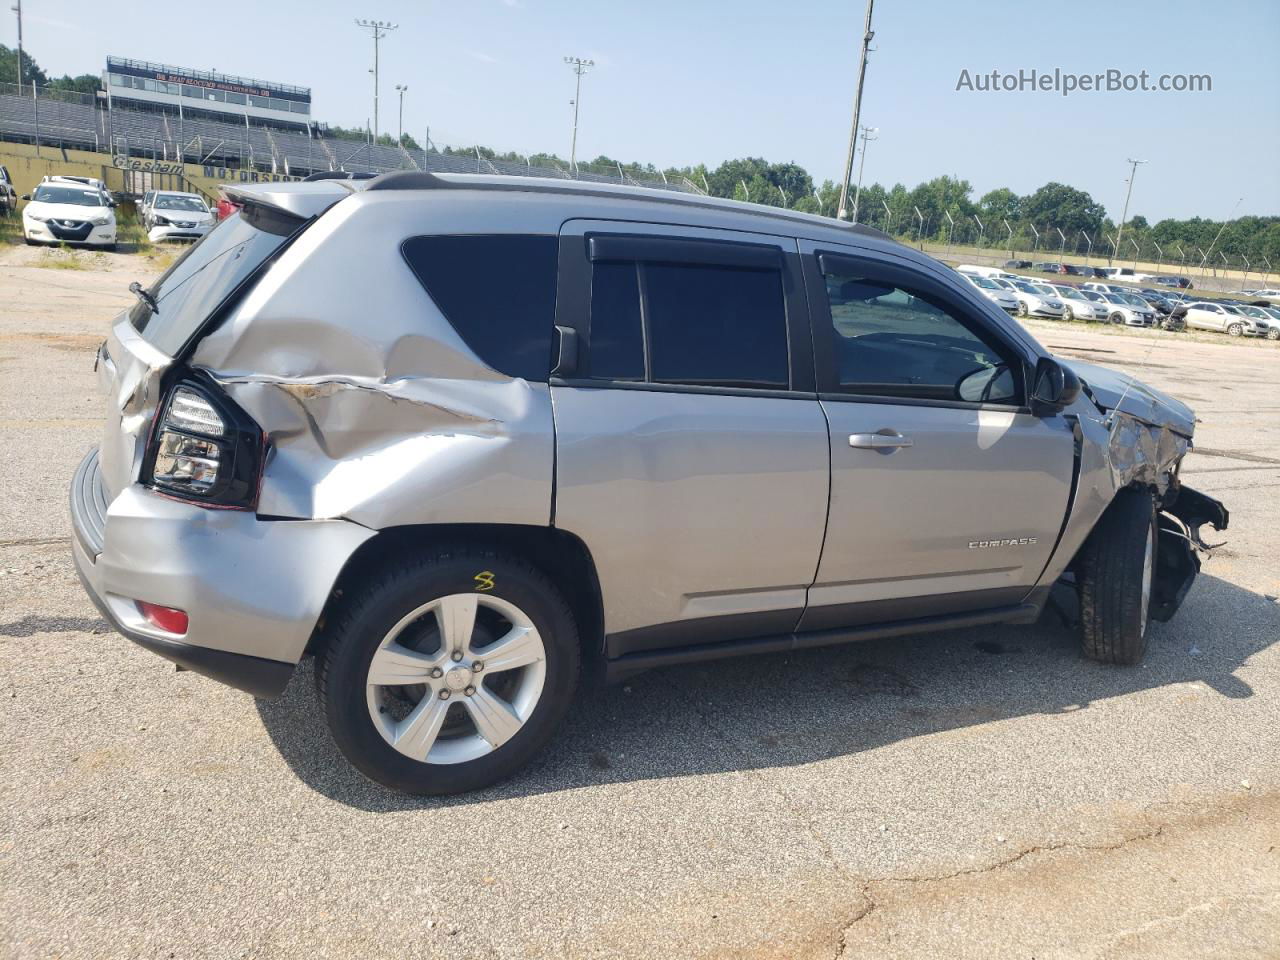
point(1022, 308)
point(1273, 333)
point(1235, 329)
point(1114, 619)
point(1117, 318)
point(1068, 314)
point(378, 603)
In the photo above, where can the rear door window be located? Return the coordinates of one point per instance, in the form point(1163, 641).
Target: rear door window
point(696, 324)
point(498, 291)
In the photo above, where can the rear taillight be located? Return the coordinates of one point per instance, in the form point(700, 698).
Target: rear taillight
point(205, 449)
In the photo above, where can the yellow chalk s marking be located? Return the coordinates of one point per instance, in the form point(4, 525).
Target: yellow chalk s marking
point(484, 581)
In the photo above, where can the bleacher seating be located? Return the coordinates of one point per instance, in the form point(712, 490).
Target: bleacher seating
point(76, 121)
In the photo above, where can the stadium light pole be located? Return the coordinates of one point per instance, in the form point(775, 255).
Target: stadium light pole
point(17, 8)
point(866, 137)
point(378, 29)
point(867, 34)
point(400, 89)
point(579, 67)
point(1125, 212)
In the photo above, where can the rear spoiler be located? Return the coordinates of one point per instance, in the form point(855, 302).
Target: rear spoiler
point(300, 200)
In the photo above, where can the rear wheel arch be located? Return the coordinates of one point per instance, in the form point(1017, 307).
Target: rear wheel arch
point(561, 556)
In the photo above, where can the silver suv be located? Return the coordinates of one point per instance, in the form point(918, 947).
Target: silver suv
point(463, 438)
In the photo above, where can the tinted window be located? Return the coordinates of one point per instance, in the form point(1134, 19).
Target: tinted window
point(715, 325)
point(686, 323)
point(616, 336)
point(498, 292)
point(898, 342)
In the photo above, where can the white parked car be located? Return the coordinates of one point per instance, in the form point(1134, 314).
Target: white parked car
point(1129, 309)
point(1077, 306)
point(1222, 317)
point(1264, 323)
point(1126, 273)
point(177, 216)
point(1002, 298)
point(66, 211)
point(1037, 300)
point(1107, 288)
point(77, 181)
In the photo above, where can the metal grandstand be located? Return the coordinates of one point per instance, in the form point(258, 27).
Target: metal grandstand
point(85, 122)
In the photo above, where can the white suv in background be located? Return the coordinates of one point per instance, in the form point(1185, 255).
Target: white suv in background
point(63, 210)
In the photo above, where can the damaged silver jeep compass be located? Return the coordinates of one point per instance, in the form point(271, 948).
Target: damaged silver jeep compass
point(463, 439)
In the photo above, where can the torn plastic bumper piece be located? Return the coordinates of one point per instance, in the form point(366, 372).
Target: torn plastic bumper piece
point(1177, 561)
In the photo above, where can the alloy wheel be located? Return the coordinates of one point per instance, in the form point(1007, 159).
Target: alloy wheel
point(456, 678)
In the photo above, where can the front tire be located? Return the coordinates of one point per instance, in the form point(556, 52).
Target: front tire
point(1273, 333)
point(1022, 308)
point(1117, 318)
point(1068, 314)
point(1235, 330)
point(1114, 576)
point(448, 673)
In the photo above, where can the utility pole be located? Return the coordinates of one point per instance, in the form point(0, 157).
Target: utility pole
point(579, 67)
point(378, 29)
point(17, 8)
point(867, 34)
point(1125, 213)
point(866, 136)
point(400, 89)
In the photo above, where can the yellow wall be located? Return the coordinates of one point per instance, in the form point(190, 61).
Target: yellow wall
point(27, 166)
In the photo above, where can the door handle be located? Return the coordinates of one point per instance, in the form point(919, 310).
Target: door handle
point(884, 440)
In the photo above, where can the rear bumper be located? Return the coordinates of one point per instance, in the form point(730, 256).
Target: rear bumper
point(253, 590)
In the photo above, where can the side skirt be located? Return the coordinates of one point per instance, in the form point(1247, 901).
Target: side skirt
point(631, 664)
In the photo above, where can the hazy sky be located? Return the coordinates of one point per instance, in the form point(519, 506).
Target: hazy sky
point(700, 81)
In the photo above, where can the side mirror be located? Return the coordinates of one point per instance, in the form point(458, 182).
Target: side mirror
point(1056, 387)
point(26, 196)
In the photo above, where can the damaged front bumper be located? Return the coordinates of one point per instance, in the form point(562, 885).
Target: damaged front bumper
point(1177, 559)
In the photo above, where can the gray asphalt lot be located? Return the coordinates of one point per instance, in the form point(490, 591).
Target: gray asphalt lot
point(981, 793)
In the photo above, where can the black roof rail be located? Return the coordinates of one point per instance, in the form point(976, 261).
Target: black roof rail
point(339, 175)
point(422, 180)
point(409, 180)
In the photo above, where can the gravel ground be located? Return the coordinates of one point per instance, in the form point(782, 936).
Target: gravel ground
point(981, 793)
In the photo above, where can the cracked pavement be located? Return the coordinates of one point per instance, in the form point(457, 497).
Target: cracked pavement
point(981, 793)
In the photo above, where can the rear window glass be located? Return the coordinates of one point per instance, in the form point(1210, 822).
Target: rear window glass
point(498, 292)
point(206, 274)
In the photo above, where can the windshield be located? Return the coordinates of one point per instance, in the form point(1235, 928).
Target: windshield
point(1230, 309)
point(1133, 300)
point(79, 196)
point(194, 204)
point(984, 283)
point(191, 289)
point(1071, 293)
point(1044, 288)
point(1091, 295)
point(1252, 312)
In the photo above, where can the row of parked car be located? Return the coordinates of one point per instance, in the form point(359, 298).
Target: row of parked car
point(1132, 306)
point(81, 211)
point(1101, 273)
